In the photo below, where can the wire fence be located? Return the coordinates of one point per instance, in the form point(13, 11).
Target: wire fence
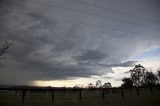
point(26, 94)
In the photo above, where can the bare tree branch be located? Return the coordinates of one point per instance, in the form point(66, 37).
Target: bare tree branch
point(3, 50)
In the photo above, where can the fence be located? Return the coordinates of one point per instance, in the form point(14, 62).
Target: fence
point(23, 94)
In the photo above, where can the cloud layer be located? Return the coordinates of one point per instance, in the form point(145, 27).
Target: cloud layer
point(59, 39)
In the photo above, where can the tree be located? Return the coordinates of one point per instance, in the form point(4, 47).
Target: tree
point(158, 76)
point(90, 85)
point(3, 50)
point(137, 75)
point(107, 85)
point(127, 83)
point(150, 79)
point(78, 86)
point(99, 84)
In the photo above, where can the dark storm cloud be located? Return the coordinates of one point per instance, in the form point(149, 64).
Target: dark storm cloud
point(37, 35)
point(52, 43)
point(91, 56)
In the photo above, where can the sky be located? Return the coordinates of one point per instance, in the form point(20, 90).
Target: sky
point(75, 42)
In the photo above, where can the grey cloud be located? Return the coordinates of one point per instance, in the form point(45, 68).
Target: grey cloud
point(53, 49)
point(124, 64)
point(91, 56)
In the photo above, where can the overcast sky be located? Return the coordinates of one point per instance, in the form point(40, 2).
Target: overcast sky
point(68, 42)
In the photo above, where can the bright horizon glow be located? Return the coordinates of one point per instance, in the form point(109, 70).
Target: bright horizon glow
point(119, 73)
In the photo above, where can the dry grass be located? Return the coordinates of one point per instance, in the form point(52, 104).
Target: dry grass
point(72, 99)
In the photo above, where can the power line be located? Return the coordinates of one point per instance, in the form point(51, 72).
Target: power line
point(94, 14)
point(70, 21)
point(114, 10)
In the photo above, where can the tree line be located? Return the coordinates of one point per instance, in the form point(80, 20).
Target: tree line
point(98, 84)
point(141, 77)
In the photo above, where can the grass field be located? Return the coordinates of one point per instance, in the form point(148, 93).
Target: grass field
point(70, 98)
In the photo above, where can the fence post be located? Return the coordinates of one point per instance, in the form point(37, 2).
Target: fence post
point(27, 96)
point(80, 94)
point(111, 91)
point(52, 95)
point(103, 94)
point(47, 93)
point(122, 91)
point(23, 95)
point(151, 89)
point(137, 91)
point(18, 93)
point(97, 92)
point(66, 93)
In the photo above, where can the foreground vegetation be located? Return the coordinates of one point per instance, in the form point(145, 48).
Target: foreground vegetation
point(112, 97)
point(109, 101)
point(112, 101)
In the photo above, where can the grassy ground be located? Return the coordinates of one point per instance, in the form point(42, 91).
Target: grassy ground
point(72, 99)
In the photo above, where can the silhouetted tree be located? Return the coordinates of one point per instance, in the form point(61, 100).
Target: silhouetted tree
point(99, 84)
point(137, 75)
point(150, 79)
point(3, 50)
point(141, 77)
point(107, 85)
point(90, 85)
point(158, 76)
point(127, 83)
point(78, 86)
